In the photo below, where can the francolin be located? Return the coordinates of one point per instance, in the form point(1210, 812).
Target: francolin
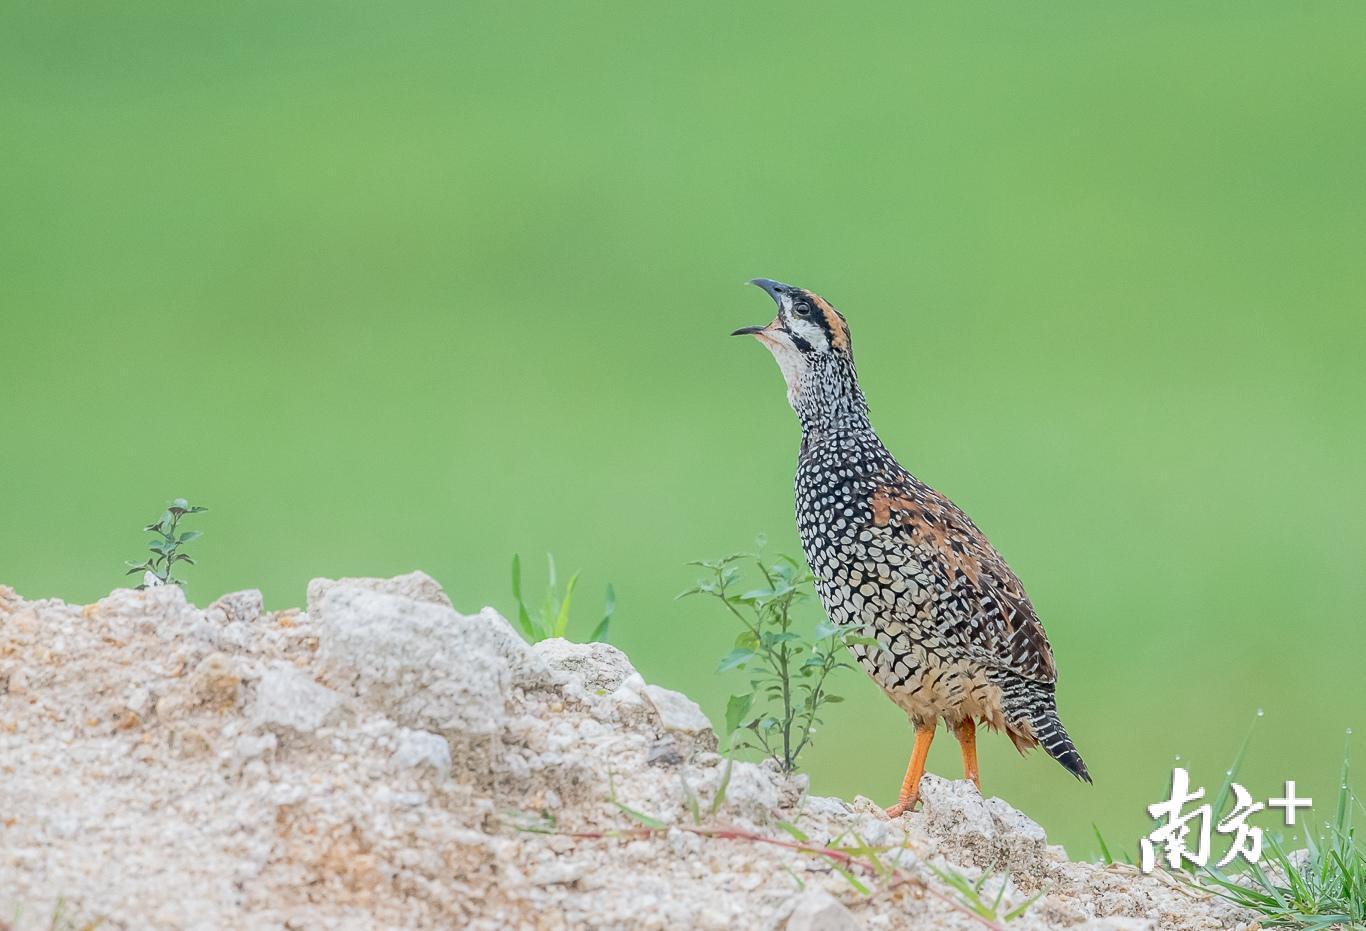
point(959, 639)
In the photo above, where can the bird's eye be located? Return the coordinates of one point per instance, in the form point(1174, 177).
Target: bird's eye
point(801, 309)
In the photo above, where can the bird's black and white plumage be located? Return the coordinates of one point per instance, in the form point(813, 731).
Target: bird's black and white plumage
point(959, 638)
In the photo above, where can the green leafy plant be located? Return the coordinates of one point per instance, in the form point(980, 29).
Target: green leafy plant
point(165, 545)
point(789, 670)
point(552, 618)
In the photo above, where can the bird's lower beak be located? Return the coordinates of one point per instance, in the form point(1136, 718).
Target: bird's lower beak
point(776, 290)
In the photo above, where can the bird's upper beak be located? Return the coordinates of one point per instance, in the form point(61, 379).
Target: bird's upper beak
point(776, 290)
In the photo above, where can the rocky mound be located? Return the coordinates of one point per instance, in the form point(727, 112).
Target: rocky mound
point(381, 760)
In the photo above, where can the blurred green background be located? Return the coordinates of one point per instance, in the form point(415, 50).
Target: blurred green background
point(390, 287)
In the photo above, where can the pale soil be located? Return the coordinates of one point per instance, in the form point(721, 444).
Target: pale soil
point(373, 761)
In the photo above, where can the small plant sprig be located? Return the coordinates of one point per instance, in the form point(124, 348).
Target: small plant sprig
point(789, 670)
point(165, 548)
point(552, 619)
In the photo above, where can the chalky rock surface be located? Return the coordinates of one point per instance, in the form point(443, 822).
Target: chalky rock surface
point(378, 760)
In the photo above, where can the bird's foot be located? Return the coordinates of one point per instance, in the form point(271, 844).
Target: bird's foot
point(903, 806)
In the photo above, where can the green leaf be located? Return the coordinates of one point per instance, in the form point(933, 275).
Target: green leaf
point(1104, 847)
point(180, 503)
point(719, 798)
point(1232, 773)
point(609, 604)
point(562, 618)
point(825, 629)
point(734, 659)
point(524, 622)
point(694, 807)
point(1023, 907)
point(189, 535)
point(850, 878)
point(871, 642)
point(609, 607)
point(833, 699)
point(523, 615)
point(736, 709)
point(747, 640)
point(647, 820)
point(797, 833)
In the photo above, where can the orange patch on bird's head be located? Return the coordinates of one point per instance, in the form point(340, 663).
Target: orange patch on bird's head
point(834, 322)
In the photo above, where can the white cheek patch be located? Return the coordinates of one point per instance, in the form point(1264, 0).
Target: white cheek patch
point(813, 334)
point(791, 362)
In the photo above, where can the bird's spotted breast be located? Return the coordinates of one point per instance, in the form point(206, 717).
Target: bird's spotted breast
point(894, 583)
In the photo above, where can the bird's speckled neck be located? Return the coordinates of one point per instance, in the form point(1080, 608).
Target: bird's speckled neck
point(830, 402)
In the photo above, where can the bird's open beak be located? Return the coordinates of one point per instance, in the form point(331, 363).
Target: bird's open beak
point(776, 290)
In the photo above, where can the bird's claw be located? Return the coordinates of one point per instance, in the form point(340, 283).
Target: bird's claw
point(901, 807)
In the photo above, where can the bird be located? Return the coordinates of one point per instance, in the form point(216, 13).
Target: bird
point(948, 631)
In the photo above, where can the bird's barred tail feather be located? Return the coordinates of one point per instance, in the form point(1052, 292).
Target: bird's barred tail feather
point(1052, 736)
point(1032, 704)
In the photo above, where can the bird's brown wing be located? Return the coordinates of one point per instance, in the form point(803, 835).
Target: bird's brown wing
point(995, 619)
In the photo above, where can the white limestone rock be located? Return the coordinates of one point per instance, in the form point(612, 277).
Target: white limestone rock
point(598, 667)
point(987, 833)
point(817, 910)
point(287, 698)
point(677, 712)
point(417, 585)
point(423, 748)
point(424, 665)
point(242, 607)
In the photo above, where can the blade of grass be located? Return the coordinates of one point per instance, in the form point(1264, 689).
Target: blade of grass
point(562, 618)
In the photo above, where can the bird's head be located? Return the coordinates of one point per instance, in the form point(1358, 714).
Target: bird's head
point(810, 341)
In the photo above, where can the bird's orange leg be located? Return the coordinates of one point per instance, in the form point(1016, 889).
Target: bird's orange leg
point(910, 786)
point(966, 732)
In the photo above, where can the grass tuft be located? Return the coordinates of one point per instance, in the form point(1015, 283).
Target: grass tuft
point(971, 894)
point(551, 619)
point(1318, 886)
